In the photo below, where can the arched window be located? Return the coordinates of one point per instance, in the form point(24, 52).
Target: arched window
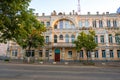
point(110, 38)
point(67, 38)
point(55, 38)
point(67, 24)
point(64, 24)
point(72, 38)
point(61, 24)
point(61, 37)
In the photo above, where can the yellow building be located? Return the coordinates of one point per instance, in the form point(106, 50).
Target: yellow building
point(63, 29)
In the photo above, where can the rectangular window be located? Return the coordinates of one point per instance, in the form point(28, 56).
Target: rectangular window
point(108, 23)
point(88, 54)
point(47, 39)
point(118, 53)
point(110, 39)
point(47, 53)
point(94, 23)
point(111, 54)
point(80, 24)
point(114, 23)
point(100, 23)
point(96, 54)
point(102, 39)
point(48, 24)
point(30, 53)
point(40, 53)
point(69, 54)
point(96, 39)
point(14, 53)
point(81, 54)
point(86, 23)
point(103, 54)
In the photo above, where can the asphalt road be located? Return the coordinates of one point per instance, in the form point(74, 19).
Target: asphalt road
point(57, 72)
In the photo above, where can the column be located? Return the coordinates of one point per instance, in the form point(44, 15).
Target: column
point(97, 23)
point(113, 37)
point(104, 23)
point(43, 53)
point(111, 22)
point(50, 55)
point(63, 54)
point(98, 38)
point(107, 46)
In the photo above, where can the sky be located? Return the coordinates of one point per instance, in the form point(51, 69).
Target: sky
point(92, 6)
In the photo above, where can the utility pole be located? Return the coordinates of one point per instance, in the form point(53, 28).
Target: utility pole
point(79, 7)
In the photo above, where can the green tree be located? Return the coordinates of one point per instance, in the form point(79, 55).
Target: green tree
point(19, 24)
point(85, 41)
point(14, 18)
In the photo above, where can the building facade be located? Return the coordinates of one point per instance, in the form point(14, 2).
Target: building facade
point(63, 29)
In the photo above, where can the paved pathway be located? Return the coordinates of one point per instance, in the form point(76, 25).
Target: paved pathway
point(57, 72)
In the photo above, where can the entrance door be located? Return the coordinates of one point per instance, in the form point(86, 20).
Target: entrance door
point(57, 55)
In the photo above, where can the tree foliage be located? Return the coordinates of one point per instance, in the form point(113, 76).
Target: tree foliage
point(19, 24)
point(85, 41)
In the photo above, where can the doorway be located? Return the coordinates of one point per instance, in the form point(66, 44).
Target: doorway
point(57, 55)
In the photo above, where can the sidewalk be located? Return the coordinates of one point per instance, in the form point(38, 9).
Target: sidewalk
point(98, 64)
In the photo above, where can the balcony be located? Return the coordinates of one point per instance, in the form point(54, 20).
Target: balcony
point(60, 44)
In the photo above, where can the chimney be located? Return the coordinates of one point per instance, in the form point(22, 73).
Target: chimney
point(37, 14)
point(43, 14)
point(107, 12)
point(88, 13)
point(73, 12)
point(97, 13)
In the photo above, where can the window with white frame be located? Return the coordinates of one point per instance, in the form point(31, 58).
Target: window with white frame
point(47, 39)
point(110, 38)
point(100, 23)
point(48, 24)
point(96, 39)
point(96, 54)
point(81, 54)
point(80, 24)
point(103, 54)
point(117, 39)
point(102, 38)
point(114, 23)
point(14, 53)
point(72, 38)
point(111, 54)
point(61, 24)
point(86, 23)
point(67, 38)
point(108, 23)
point(69, 54)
